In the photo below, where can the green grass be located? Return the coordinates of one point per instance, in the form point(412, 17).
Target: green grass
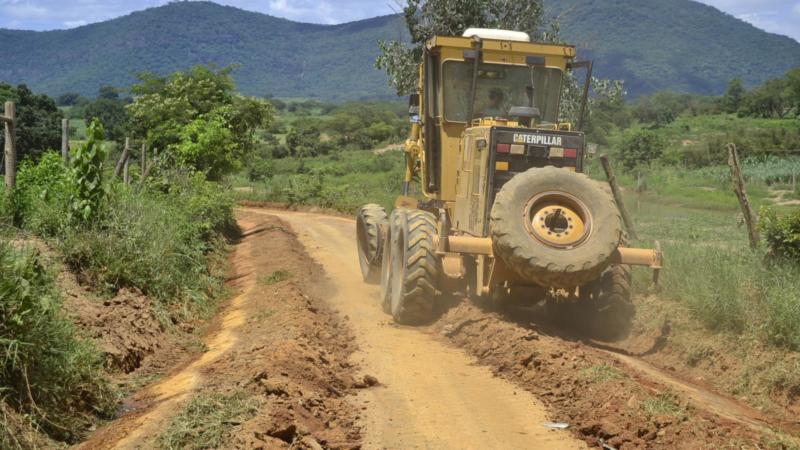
point(601, 373)
point(710, 269)
point(207, 421)
point(77, 129)
point(664, 404)
point(48, 372)
point(343, 181)
point(275, 277)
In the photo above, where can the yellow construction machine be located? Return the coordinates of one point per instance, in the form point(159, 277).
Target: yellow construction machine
point(503, 207)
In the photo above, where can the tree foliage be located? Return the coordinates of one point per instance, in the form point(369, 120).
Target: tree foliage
point(428, 18)
point(196, 119)
point(782, 233)
point(110, 110)
point(732, 99)
point(38, 126)
point(641, 148)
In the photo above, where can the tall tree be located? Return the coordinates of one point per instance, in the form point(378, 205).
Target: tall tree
point(196, 119)
point(428, 18)
point(732, 100)
point(793, 88)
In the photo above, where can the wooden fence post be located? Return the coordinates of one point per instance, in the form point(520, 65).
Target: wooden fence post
point(144, 177)
point(612, 181)
point(738, 188)
point(144, 156)
point(126, 177)
point(10, 147)
point(125, 153)
point(65, 140)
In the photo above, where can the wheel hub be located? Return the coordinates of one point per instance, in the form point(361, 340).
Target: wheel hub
point(557, 219)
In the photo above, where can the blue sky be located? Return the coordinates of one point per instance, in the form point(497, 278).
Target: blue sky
point(777, 16)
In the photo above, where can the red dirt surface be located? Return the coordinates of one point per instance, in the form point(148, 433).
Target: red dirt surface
point(604, 409)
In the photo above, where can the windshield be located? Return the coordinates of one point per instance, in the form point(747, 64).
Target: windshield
point(499, 87)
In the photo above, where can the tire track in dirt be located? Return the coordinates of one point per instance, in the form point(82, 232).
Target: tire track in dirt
point(432, 395)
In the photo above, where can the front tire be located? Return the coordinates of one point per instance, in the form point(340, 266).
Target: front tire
point(415, 268)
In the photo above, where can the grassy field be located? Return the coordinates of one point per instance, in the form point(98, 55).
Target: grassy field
point(342, 181)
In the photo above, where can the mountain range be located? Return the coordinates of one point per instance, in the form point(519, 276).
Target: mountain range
point(653, 45)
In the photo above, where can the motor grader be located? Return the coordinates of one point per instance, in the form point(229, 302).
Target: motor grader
point(504, 207)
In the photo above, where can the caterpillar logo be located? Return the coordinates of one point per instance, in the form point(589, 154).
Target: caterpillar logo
point(537, 139)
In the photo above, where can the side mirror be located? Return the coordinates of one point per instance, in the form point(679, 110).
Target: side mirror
point(591, 148)
point(413, 108)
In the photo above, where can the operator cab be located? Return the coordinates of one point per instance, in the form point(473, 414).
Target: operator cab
point(488, 109)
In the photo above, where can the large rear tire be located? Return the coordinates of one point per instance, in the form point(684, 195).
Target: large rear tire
point(371, 225)
point(607, 304)
point(415, 268)
point(554, 227)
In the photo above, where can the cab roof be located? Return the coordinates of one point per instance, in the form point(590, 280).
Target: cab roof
point(501, 45)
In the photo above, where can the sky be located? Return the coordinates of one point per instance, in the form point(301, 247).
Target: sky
point(776, 16)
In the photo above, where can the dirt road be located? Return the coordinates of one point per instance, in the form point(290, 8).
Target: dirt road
point(304, 334)
point(433, 396)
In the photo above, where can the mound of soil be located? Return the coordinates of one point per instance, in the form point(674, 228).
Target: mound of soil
point(124, 327)
point(764, 377)
point(602, 399)
point(295, 351)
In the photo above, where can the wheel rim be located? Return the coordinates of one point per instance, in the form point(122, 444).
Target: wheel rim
point(558, 220)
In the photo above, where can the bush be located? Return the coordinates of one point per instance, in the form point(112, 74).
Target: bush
point(782, 233)
point(46, 372)
point(156, 242)
point(261, 170)
point(42, 195)
point(641, 148)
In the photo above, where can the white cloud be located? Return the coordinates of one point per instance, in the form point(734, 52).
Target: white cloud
point(75, 23)
point(24, 11)
point(774, 16)
point(303, 10)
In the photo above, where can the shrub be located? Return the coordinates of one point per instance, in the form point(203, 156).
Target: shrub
point(157, 242)
point(46, 372)
point(641, 148)
point(42, 195)
point(782, 233)
point(261, 170)
point(87, 162)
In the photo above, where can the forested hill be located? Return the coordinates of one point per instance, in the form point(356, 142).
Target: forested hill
point(651, 44)
point(273, 55)
point(678, 45)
